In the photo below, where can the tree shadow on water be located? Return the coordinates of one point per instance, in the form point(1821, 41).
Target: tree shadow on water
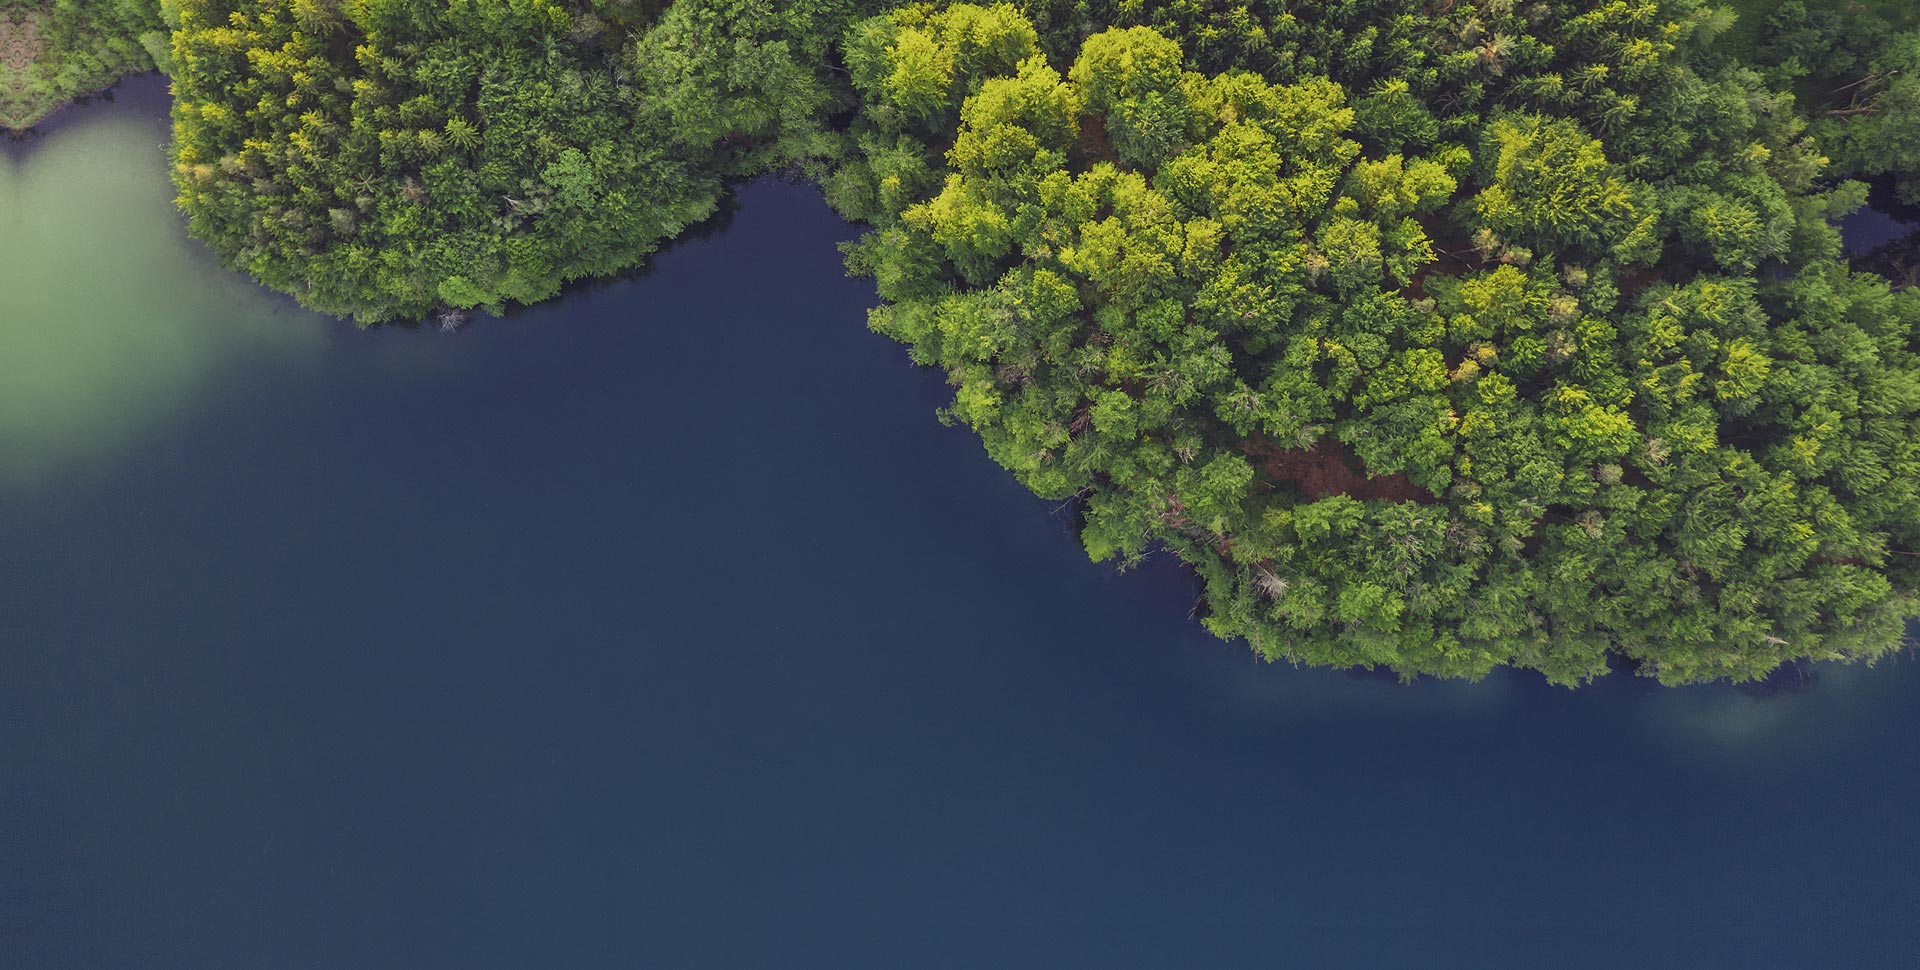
point(448, 320)
point(1788, 679)
point(149, 88)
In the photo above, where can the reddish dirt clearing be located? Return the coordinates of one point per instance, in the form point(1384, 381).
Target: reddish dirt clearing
point(1328, 469)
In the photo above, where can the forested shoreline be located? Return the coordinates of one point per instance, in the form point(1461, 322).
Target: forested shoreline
point(52, 51)
point(1435, 337)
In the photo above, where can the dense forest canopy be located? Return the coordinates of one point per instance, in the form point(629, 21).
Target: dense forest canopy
point(54, 50)
point(1436, 337)
point(384, 158)
point(1856, 67)
point(1436, 384)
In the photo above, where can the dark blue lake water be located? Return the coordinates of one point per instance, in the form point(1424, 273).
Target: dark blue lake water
point(1885, 220)
point(663, 626)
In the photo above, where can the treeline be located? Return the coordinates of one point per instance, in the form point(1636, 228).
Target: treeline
point(1436, 337)
point(384, 158)
point(52, 51)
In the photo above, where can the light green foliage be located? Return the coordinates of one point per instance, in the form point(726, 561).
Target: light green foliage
point(917, 64)
point(1391, 189)
point(913, 68)
point(1132, 79)
point(1623, 413)
point(1550, 186)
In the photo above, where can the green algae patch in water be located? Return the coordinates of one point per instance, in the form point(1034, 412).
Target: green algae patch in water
point(113, 318)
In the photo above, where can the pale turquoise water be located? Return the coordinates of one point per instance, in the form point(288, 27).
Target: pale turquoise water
point(108, 329)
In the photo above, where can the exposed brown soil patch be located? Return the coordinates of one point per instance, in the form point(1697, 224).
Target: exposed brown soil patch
point(1326, 469)
point(19, 40)
point(1454, 255)
point(1094, 145)
point(20, 49)
point(1631, 282)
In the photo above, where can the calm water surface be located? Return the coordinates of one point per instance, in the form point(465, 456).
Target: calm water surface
point(664, 627)
point(1884, 221)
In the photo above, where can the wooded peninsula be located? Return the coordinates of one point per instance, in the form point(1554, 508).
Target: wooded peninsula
point(1435, 335)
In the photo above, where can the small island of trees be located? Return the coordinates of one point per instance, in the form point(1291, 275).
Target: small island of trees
point(1435, 337)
